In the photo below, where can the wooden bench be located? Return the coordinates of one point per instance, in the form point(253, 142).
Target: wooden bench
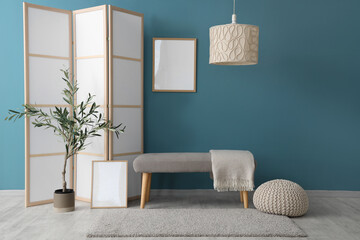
point(173, 163)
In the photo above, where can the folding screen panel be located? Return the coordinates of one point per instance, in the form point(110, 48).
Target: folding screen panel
point(126, 89)
point(117, 86)
point(91, 74)
point(47, 49)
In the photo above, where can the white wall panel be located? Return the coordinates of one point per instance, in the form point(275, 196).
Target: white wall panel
point(134, 179)
point(96, 144)
point(48, 32)
point(83, 175)
point(127, 35)
point(46, 176)
point(44, 141)
point(89, 27)
point(45, 78)
point(127, 82)
point(126, 46)
point(90, 78)
point(131, 140)
point(91, 75)
point(47, 44)
point(47, 50)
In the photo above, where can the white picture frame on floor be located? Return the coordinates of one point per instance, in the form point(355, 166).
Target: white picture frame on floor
point(109, 184)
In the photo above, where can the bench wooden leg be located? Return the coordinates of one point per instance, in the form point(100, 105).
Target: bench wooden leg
point(144, 186)
point(245, 199)
point(148, 188)
point(241, 196)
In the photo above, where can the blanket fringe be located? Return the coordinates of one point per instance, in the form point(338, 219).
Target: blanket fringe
point(225, 185)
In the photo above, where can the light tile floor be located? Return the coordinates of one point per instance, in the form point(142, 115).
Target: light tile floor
point(332, 215)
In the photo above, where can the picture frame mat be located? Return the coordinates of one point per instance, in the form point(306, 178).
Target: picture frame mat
point(154, 88)
point(92, 205)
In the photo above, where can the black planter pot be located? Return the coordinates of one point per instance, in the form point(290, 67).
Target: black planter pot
point(64, 201)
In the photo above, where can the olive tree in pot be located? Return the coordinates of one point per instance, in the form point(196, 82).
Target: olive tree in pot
point(74, 126)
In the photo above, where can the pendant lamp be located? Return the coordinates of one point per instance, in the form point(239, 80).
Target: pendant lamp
point(234, 44)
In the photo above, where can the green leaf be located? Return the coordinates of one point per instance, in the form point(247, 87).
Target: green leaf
point(13, 111)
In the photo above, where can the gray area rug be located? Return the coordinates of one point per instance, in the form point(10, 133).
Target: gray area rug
point(192, 223)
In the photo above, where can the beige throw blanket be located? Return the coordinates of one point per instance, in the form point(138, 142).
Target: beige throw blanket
point(233, 170)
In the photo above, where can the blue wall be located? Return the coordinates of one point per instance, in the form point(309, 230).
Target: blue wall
point(297, 110)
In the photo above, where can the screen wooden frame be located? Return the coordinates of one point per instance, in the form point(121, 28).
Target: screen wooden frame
point(111, 83)
point(111, 79)
point(108, 95)
point(27, 56)
point(106, 87)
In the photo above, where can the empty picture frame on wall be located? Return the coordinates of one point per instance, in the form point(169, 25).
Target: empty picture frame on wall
point(174, 65)
point(109, 184)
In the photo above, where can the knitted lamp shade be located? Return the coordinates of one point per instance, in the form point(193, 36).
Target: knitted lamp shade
point(234, 44)
point(281, 197)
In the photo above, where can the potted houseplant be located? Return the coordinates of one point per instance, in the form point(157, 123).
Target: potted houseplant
point(74, 126)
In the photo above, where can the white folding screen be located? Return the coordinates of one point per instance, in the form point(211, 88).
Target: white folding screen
point(126, 89)
point(47, 49)
point(91, 74)
point(109, 66)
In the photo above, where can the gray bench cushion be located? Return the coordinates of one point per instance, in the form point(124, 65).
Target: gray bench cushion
point(173, 162)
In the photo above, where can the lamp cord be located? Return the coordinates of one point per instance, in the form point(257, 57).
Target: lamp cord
point(233, 17)
point(234, 8)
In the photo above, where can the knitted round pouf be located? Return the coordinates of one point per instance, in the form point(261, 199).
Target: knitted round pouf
point(281, 197)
